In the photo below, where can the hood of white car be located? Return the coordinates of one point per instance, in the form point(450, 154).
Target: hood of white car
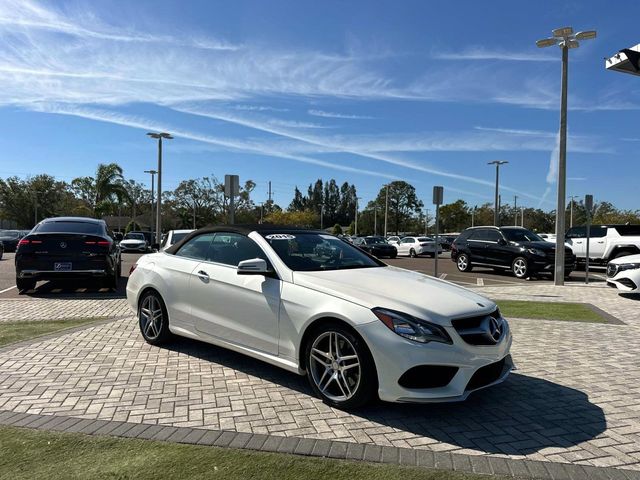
point(131, 241)
point(398, 289)
point(627, 259)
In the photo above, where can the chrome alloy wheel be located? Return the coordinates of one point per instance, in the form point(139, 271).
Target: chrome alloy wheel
point(151, 317)
point(520, 267)
point(335, 366)
point(462, 263)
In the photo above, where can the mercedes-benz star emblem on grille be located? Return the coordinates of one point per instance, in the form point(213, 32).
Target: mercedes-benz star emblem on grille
point(612, 269)
point(495, 328)
point(63, 244)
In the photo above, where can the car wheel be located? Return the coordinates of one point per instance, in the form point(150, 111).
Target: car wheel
point(393, 255)
point(463, 263)
point(412, 253)
point(25, 284)
point(340, 368)
point(153, 319)
point(520, 267)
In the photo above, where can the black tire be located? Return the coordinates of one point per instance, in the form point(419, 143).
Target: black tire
point(25, 284)
point(464, 263)
point(412, 253)
point(393, 255)
point(361, 382)
point(156, 333)
point(432, 255)
point(520, 267)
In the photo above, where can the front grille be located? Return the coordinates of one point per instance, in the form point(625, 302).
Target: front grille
point(627, 282)
point(612, 270)
point(486, 375)
point(427, 376)
point(477, 330)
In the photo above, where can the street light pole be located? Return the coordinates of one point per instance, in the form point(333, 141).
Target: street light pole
point(159, 136)
point(515, 210)
point(153, 173)
point(496, 208)
point(571, 209)
point(386, 209)
point(356, 221)
point(322, 216)
point(565, 39)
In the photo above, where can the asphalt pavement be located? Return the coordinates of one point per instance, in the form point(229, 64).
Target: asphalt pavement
point(447, 270)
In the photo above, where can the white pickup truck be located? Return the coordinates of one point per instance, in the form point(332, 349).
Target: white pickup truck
point(606, 243)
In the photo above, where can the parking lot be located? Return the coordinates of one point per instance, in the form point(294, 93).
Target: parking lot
point(572, 400)
point(447, 270)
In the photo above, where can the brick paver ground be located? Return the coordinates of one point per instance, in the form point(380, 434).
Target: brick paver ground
point(12, 310)
point(574, 398)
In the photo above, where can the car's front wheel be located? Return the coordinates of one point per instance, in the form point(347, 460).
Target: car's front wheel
point(153, 319)
point(520, 267)
point(25, 284)
point(463, 263)
point(340, 368)
point(412, 253)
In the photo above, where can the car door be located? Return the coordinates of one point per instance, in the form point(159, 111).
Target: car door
point(597, 241)
point(477, 243)
point(576, 239)
point(179, 269)
point(241, 309)
point(497, 250)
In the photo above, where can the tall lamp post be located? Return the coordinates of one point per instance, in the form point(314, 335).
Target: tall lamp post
point(571, 197)
point(565, 39)
point(153, 174)
point(496, 208)
point(159, 136)
point(356, 221)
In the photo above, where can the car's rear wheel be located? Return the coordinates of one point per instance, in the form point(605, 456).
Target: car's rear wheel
point(153, 319)
point(412, 253)
point(520, 267)
point(25, 284)
point(463, 263)
point(393, 255)
point(340, 368)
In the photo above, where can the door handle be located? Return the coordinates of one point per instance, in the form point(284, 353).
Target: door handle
point(601, 241)
point(202, 275)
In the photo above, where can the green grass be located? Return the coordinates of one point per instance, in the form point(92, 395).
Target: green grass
point(28, 454)
point(576, 312)
point(11, 332)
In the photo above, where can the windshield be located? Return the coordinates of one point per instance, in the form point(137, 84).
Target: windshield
point(134, 236)
point(374, 240)
point(177, 237)
point(312, 252)
point(9, 234)
point(425, 239)
point(520, 235)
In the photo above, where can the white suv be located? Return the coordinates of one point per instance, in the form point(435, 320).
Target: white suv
point(624, 273)
point(606, 242)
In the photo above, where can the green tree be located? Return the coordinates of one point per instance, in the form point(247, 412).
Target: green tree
point(104, 190)
point(454, 217)
point(305, 219)
point(337, 229)
point(404, 205)
point(352, 228)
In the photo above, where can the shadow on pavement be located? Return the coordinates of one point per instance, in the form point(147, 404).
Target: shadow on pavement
point(519, 417)
point(83, 289)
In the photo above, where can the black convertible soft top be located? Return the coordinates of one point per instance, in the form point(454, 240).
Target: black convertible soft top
point(245, 229)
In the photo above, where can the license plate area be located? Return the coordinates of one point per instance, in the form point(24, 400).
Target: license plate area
point(62, 266)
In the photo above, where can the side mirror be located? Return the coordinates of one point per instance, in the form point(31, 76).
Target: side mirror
point(502, 242)
point(253, 266)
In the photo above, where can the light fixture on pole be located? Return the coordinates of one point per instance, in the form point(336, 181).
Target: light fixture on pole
point(565, 39)
point(159, 136)
point(153, 174)
point(496, 208)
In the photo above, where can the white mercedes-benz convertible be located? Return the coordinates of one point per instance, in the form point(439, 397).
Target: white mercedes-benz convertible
point(318, 306)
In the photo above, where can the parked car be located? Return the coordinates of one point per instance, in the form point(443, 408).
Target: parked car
point(507, 248)
point(376, 246)
point(10, 239)
point(623, 273)
point(1, 250)
point(134, 242)
point(172, 237)
point(446, 241)
point(606, 242)
point(67, 248)
point(357, 328)
point(414, 246)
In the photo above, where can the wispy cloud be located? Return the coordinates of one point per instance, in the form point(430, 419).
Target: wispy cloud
point(483, 53)
point(322, 113)
point(259, 108)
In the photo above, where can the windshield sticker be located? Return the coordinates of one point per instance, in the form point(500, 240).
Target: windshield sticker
point(280, 236)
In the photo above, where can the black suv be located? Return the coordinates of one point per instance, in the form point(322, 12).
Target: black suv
point(507, 248)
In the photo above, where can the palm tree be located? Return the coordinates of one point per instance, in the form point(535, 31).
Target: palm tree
point(103, 190)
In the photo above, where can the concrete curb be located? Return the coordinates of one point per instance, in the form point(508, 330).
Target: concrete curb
point(481, 464)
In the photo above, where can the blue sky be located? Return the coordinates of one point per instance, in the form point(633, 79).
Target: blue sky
point(290, 91)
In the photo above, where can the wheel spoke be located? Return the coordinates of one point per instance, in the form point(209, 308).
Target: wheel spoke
point(337, 377)
point(337, 352)
point(323, 361)
point(349, 367)
point(149, 326)
point(346, 384)
point(331, 377)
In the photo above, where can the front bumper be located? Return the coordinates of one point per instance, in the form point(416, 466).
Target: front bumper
point(133, 248)
point(394, 355)
point(623, 283)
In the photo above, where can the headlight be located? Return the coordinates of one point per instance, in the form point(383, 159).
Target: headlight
point(536, 251)
point(413, 328)
point(628, 266)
